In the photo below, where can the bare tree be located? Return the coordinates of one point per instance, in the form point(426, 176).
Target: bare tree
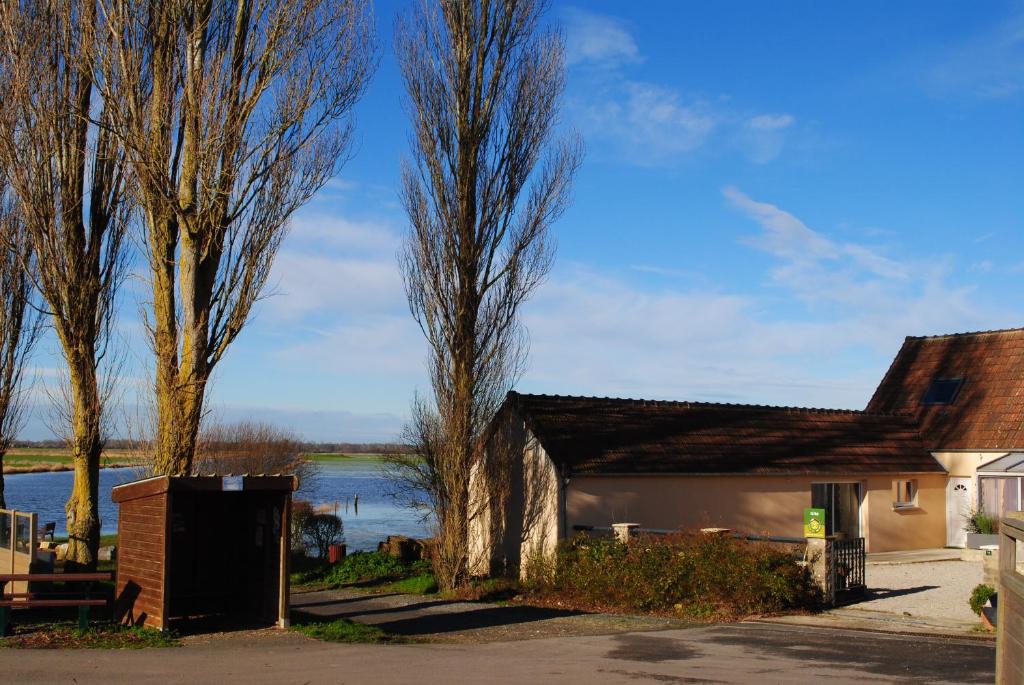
point(487, 181)
point(233, 113)
point(253, 447)
point(19, 322)
point(67, 172)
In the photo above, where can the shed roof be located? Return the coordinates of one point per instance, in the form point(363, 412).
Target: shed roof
point(148, 487)
point(988, 411)
point(593, 435)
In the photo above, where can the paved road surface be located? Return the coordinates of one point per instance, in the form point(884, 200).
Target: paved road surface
point(740, 653)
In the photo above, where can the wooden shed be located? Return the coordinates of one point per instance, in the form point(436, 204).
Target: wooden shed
point(203, 547)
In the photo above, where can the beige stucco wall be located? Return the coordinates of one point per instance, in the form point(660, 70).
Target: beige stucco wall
point(542, 507)
point(526, 525)
point(887, 529)
point(755, 504)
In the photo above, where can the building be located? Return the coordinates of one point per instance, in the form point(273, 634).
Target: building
point(936, 441)
point(966, 393)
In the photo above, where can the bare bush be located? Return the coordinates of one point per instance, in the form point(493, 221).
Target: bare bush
point(253, 447)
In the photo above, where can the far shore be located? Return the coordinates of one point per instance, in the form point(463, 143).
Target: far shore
point(21, 460)
point(53, 467)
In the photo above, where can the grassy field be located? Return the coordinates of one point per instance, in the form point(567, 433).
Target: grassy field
point(27, 459)
point(337, 458)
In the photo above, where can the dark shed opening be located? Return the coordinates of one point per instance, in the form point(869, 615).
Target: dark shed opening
point(203, 547)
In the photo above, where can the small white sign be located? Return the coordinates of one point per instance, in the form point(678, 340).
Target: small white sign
point(231, 483)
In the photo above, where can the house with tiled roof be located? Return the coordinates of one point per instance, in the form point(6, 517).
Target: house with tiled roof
point(937, 439)
point(966, 393)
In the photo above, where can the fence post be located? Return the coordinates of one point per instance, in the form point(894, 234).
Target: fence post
point(624, 531)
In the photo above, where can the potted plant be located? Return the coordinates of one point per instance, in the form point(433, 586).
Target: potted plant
point(982, 529)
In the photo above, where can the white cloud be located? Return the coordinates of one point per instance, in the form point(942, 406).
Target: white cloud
point(763, 137)
point(596, 38)
point(770, 122)
point(649, 123)
point(333, 266)
point(821, 335)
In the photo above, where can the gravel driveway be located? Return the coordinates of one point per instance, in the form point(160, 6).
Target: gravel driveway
point(938, 589)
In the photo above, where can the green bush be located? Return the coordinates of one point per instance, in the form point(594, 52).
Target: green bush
point(980, 522)
point(369, 566)
point(695, 575)
point(979, 597)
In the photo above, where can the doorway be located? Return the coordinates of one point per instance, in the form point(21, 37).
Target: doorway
point(959, 502)
point(841, 502)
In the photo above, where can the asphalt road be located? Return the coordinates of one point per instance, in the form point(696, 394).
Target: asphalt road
point(738, 653)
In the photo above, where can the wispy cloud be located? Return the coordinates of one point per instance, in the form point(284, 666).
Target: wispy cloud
point(598, 39)
point(651, 124)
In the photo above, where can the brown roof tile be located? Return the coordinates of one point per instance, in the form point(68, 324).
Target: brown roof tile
point(988, 413)
point(592, 435)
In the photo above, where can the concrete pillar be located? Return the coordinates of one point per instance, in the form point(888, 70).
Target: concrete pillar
point(624, 531)
point(817, 563)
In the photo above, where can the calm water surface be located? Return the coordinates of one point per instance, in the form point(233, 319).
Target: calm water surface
point(377, 516)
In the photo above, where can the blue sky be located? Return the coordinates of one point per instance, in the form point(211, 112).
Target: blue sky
point(774, 195)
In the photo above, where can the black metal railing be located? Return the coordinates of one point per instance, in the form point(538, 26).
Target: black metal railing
point(846, 564)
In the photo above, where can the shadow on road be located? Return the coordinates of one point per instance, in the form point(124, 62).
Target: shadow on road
point(423, 617)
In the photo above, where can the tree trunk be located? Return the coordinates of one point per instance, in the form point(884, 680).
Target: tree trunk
point(83, 520)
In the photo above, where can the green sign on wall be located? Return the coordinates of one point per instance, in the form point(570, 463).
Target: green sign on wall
point(814, 523)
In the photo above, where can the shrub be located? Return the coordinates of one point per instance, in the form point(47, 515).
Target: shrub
point(301, 510)
point(369, 566)
point(980, 596)
point(321, 531)
point(696, 575)
point(980, 522)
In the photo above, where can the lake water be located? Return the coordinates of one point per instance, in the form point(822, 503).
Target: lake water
point(378, 515)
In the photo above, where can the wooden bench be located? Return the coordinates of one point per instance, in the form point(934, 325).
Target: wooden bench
point(12, 600)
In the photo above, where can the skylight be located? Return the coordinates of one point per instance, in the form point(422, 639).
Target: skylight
point(942, 391)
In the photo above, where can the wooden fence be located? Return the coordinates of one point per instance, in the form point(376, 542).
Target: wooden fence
point(1010, 628)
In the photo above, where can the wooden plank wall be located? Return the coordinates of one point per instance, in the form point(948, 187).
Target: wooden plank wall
point(141, 559)
point(1010, 631)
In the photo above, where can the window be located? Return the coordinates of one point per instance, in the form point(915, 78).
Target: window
point(942, 391)
point(904, 494)
point(1000, 494)
point(841, 502)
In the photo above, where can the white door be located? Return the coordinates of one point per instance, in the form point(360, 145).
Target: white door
point(959, 502)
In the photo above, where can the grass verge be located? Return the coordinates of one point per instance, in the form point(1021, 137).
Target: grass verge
point(67, 636)
point(343, 630)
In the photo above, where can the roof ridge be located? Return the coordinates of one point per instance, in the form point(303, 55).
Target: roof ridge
point(993, 331)
point(720, 405)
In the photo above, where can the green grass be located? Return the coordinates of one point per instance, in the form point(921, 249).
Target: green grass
point(105, 540)
point(67, 636)
point(343, 630)
point(337, 458)
point(423, 584)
